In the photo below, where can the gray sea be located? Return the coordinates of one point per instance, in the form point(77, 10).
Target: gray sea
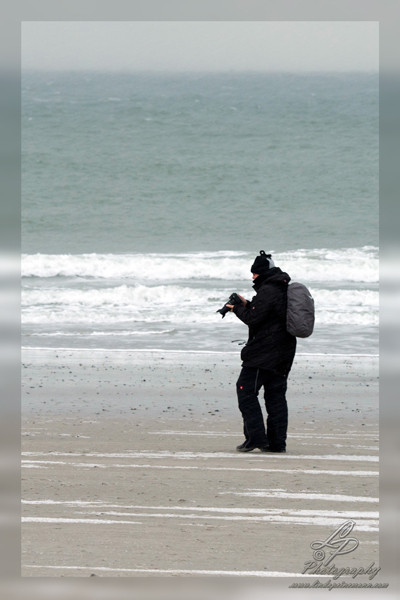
point(146, 197)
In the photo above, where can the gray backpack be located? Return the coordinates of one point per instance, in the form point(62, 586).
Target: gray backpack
point(300, 315)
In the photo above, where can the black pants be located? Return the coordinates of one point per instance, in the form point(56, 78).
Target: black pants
point(248, 386)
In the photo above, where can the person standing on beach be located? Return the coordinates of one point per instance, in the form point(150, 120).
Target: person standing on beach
point(267, 358)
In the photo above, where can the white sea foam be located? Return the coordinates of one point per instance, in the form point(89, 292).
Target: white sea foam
point(174, 304)
point(348, 264)
point(124, 295)
point(137, 296)
point(200, 265)
point(145, 296)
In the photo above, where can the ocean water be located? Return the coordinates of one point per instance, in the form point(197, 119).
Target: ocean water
point(146, 197)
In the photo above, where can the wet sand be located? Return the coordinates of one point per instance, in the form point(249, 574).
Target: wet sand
point(129, 466)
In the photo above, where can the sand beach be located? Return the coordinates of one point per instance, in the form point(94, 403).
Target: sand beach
point(129, 466)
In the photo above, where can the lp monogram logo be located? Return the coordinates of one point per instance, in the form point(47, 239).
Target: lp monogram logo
point(337, 543)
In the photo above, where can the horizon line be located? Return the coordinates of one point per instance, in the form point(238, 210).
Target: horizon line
point(197, 71)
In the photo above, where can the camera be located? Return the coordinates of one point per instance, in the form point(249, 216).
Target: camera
point(233, 299)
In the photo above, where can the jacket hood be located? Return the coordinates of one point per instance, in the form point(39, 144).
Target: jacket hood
point(274, 275)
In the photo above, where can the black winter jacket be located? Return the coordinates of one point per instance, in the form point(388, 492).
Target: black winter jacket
point(269, 345)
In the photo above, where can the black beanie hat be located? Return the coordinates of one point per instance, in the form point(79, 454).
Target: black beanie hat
point(262, 263)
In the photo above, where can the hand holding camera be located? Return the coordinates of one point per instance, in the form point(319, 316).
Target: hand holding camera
point(234, 300)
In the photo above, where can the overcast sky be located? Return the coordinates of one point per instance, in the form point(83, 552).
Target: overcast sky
point(201, 45)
